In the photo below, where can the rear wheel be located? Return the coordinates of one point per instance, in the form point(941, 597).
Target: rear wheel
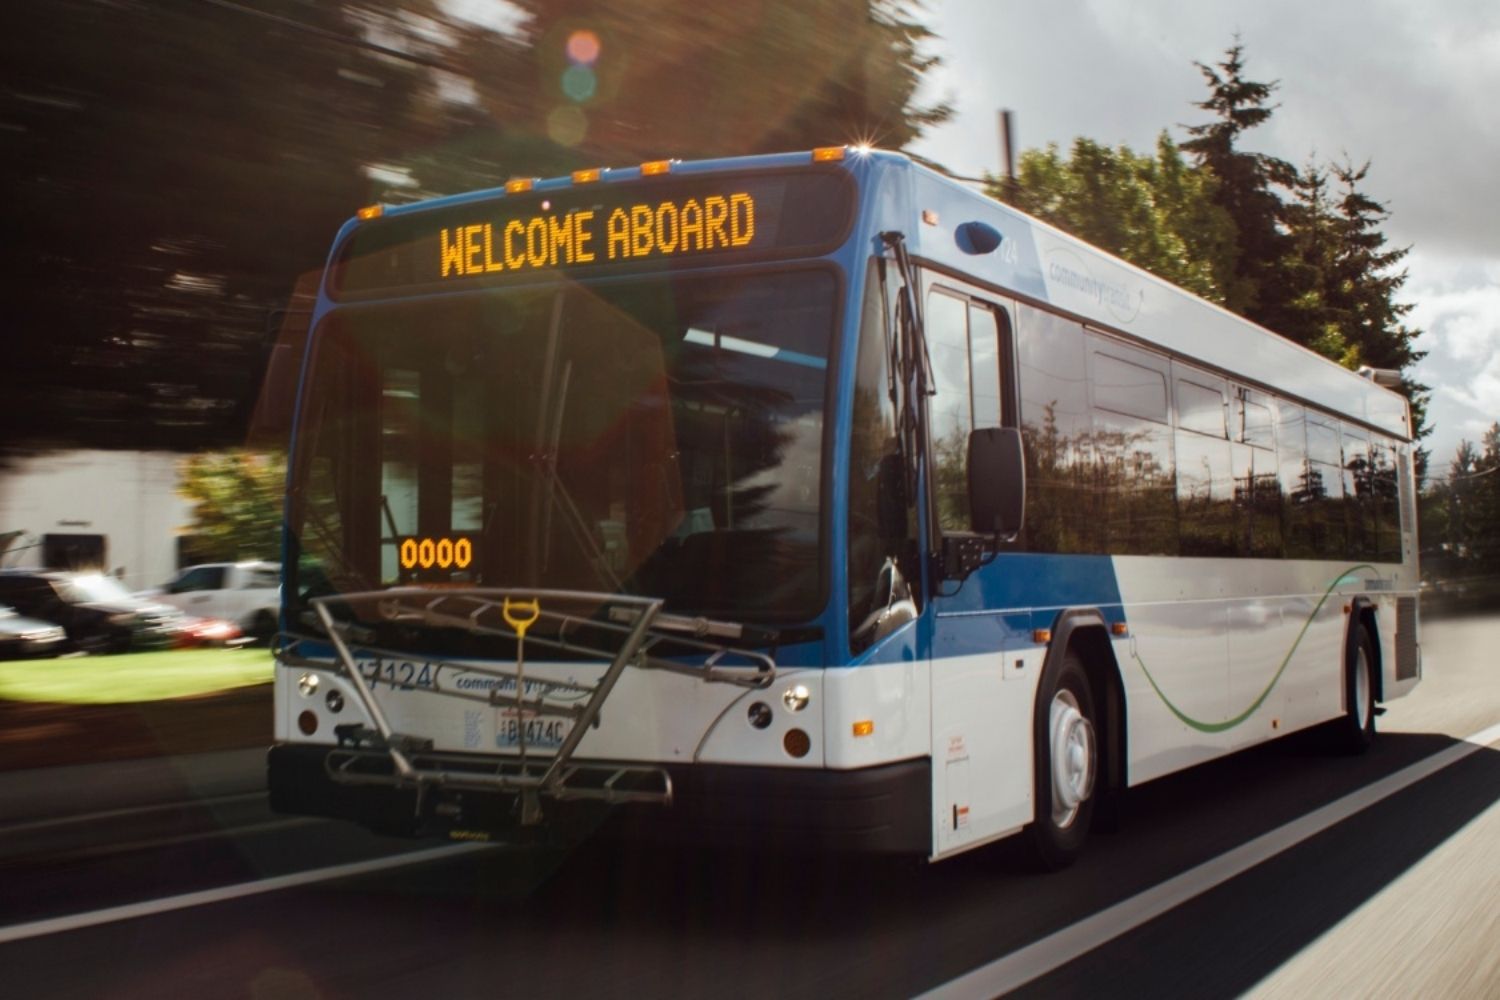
point(1354, 733)
point(1066, 763)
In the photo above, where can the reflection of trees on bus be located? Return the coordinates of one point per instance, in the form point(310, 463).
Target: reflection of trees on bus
point(1118, 485)
point(1105, 489)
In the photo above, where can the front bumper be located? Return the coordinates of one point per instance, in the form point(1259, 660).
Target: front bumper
point(883, 809)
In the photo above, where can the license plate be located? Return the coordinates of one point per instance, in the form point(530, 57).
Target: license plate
point(543, 731)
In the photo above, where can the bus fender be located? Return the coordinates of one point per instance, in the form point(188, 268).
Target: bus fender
point(1087, 630)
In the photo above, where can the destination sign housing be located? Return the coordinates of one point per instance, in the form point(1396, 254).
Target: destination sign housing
point(645, 224)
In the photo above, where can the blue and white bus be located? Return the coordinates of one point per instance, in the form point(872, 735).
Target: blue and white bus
point(811, 498)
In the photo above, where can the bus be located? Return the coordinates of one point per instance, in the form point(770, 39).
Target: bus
point(809, 498)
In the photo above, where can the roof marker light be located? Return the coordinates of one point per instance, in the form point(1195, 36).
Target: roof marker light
point(828, 154)
point(370, 212)
point(519, 185)
point(587, 176)
point(655, 168)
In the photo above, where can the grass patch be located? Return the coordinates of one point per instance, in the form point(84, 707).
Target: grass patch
point(134, 677)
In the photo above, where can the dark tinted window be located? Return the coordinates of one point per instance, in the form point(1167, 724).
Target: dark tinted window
point(1257, 502)
point(1359, 494)
point(1324, 490)
point(1061, 502)
point(1384, 485)
point(1205, 495)
point(1132, 443)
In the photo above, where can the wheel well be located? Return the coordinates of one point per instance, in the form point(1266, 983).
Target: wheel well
point(1369, 621)
point(1092, 645)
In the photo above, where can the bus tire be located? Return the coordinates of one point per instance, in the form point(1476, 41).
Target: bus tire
point(1355, 731)
point(1065, 751)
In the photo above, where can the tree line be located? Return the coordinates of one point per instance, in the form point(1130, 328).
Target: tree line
point(173, 169)
point(1298, 250)
point(1459, 515)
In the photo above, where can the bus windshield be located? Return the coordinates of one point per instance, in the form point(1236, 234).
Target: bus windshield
point(660, 437)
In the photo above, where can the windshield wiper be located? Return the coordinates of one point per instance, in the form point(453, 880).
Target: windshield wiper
point(910, 362)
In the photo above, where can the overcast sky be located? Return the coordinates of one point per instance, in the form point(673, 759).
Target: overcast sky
point(1408, 86)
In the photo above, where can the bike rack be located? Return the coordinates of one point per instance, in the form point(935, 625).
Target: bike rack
point(635, 626)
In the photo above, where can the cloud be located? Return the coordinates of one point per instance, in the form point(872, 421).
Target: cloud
point(1385, 80)
point(1399, 84)
point(1456, 304)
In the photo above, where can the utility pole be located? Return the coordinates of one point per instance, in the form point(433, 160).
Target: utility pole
point(1008, 184)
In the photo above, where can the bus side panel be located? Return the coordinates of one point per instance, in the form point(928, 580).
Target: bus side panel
point(984, 676)
point(1277, 629)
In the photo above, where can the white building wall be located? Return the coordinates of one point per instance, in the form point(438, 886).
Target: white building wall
point(129, 497)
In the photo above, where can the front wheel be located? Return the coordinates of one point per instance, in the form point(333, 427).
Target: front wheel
point(1065, 752)
point(1354, 733)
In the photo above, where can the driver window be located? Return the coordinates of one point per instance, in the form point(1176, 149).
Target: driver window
point(963, 338)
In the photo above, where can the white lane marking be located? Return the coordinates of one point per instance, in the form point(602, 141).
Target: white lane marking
point(45, 824)
point(152, 907)
point(1061, 947)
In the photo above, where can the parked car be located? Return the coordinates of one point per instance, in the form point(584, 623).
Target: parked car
point(198, 632)
point(98, 614)
point(246, 593)
point(21, 636)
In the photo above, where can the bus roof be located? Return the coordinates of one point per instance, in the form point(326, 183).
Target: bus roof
point(1051, 267)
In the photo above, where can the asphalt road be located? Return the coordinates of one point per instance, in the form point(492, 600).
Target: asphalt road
point(1397, 900)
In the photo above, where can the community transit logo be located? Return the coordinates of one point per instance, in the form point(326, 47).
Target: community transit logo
point(1066, 270)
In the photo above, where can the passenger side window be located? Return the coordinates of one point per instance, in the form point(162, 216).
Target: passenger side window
point(1055, 423)
point(1324, 489)
point(1205, 475)
point(1134, 467)
point(1257, 486)
point(963, 339)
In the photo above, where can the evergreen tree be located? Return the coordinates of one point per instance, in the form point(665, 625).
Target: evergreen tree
point(1315, 247)
point(172, 169)
point(1267, 284)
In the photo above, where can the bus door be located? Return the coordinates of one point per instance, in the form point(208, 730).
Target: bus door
point(981, 710)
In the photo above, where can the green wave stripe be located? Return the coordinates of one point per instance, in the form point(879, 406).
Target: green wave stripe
point(1219, 727)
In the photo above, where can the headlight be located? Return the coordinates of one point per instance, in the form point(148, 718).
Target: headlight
point(308, 684)
point(796, 698)
point(123, 618)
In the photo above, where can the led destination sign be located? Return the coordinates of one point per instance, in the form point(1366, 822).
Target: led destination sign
point(649, 223)
point(635, 232)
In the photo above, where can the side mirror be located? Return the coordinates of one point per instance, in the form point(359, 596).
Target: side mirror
point(997, 481)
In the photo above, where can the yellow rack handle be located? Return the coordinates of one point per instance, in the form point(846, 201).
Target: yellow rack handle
point(518, 621)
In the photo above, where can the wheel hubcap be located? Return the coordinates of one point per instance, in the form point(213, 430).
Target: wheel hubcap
point(1073, 758)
